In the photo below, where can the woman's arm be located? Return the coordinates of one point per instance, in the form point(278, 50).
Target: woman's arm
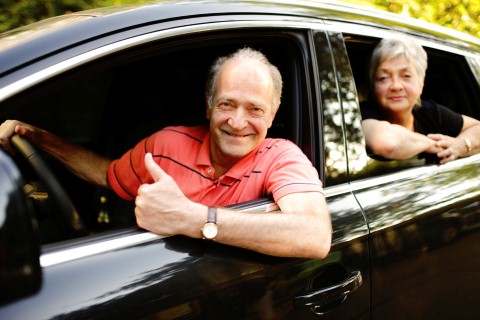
point(393, 141)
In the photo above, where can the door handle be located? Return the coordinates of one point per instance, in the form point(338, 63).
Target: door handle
point(324, 299)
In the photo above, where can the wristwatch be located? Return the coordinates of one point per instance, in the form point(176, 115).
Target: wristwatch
point(210, 228)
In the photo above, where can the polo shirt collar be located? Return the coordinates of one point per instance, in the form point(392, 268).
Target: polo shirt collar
point(203, 157)
point(237, 171)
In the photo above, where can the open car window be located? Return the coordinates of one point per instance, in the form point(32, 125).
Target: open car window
point(449, 81)
point(110, 104)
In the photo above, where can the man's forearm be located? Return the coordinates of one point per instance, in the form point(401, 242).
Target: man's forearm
point(278, 234)
point(82, 162)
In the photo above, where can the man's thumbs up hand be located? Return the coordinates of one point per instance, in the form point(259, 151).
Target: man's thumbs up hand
point(161, 206)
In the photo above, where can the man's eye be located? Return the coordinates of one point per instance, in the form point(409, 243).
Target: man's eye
point(256, 110)
point(224, 104)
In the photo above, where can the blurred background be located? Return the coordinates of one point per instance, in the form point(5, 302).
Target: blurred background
point(461, 15)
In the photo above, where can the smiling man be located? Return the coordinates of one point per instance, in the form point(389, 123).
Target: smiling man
point(183, 177)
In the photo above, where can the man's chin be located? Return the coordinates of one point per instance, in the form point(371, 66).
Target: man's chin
point(236, 153)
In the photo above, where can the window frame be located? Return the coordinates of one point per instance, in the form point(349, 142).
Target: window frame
point(456, 65)
point(299, 99)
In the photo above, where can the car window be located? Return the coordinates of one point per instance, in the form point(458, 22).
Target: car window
point(110, 104)
point(449, 81)
point(340, 112)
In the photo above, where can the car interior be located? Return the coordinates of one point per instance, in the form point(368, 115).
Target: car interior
point(110, 105)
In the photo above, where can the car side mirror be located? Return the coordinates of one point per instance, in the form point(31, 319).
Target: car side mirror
point(20, 272)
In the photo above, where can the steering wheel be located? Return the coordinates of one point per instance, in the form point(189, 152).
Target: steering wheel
point(70, 221)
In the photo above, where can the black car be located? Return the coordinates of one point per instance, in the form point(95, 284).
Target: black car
point(406, 242)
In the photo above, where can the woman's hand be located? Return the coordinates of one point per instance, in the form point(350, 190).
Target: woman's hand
point(451, 148)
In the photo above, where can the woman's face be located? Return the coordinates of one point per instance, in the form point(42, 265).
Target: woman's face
point(397, 85)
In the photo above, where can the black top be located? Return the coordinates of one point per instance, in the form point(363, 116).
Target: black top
point(431, 117)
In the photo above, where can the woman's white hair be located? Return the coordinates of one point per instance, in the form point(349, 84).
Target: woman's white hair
point(390, 48)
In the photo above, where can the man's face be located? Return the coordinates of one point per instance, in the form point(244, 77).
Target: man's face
point(397, 85)
point(241, 112)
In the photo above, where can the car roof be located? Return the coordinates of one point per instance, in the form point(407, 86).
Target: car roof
point(35, 41)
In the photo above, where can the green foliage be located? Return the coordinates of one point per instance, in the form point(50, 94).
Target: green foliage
point(460, 15)
point(15, 13)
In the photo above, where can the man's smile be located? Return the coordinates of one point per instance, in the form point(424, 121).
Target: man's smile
point(236, 135)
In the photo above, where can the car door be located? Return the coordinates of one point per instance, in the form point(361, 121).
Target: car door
point(120, 271)
point(423, 219)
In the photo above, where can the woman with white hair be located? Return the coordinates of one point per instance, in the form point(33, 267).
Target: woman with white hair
point(399, 125)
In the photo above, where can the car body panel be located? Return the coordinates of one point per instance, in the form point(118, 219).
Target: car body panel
point(391, 230)
point(177, 276)
point(20, 271)
point(416, 250)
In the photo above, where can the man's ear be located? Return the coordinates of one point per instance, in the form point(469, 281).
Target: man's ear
point(270, 123)
point(208, 111)
point(272, 117)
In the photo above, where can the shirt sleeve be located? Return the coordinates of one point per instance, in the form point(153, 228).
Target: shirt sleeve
point(292, 172)
point(126, 174)
point(451, 122)
point(433, 117)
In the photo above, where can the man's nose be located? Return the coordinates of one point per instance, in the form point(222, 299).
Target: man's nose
point(238, 119)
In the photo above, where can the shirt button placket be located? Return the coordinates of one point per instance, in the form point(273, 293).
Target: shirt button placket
point(210, 172)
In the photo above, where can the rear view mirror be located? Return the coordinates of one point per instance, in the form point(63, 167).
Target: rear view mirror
point(20, 272)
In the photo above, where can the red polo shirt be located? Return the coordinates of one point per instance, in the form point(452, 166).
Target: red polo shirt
point(276, 167)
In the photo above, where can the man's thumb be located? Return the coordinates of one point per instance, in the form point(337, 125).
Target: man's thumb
point(155, 171)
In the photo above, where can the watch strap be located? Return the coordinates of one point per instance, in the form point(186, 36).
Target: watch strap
point(212, 215)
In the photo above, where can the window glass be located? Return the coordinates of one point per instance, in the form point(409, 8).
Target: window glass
point(335, 160)
point(352, 125)
point(343, 136)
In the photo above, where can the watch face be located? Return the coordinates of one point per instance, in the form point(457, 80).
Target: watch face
point(210, 230)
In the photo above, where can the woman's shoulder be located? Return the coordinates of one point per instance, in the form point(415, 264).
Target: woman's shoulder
point(432, 107)
point(434, 117)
